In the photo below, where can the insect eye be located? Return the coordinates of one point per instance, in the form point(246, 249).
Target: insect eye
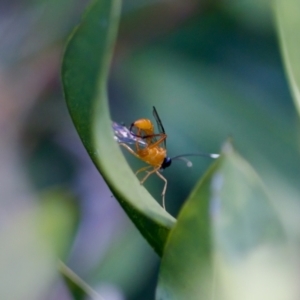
point(166, 163)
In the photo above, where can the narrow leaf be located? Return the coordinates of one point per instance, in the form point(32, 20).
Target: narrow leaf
point(84, 73)
point(79, 289)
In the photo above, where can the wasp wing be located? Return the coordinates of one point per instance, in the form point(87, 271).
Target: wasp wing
point(123, 135)
point(160, 126)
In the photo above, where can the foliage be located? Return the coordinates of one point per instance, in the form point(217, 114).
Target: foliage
point(231, 240)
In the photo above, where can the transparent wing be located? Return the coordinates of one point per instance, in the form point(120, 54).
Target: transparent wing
point(123, 135)
point(160, 126)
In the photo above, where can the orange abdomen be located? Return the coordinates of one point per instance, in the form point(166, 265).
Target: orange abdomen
point(153, 156)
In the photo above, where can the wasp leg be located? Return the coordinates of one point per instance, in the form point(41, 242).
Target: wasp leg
point(130, 150)
point(143, 169)
point(136, 155)
point(163, 137)
point(137, 144)
point(148, 174)
point(156, 170)
point(164, 190)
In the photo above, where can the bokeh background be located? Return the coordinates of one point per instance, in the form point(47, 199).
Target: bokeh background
point(213, 71)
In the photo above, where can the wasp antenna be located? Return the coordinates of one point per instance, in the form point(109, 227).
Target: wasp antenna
point(188, 162)
point(211, 155)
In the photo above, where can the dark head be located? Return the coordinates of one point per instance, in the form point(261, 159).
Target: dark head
point(166, 163)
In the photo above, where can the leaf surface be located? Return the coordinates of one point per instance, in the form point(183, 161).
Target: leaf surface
point(288, 23)
point(228, 242)
point(84, 74)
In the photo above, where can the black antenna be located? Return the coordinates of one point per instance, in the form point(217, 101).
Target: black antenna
point(211, 155)
point(188, 162)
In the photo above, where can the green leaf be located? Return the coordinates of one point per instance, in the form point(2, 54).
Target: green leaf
point(79, 289)
point(228, 242)
point(84, 73)
point(288, 22)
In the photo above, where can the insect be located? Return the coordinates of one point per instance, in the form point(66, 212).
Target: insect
point(150, 147)
point(123, 135)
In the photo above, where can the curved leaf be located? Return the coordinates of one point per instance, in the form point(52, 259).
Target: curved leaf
point(84, 73)
point(228, 242)
point(79, 289)
point(288, 23)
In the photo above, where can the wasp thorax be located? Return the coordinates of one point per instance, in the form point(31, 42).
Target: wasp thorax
point(144, 124)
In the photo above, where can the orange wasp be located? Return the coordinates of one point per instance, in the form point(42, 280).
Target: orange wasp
point(150, 147)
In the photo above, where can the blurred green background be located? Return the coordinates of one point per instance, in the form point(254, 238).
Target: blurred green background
point(211, 68)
